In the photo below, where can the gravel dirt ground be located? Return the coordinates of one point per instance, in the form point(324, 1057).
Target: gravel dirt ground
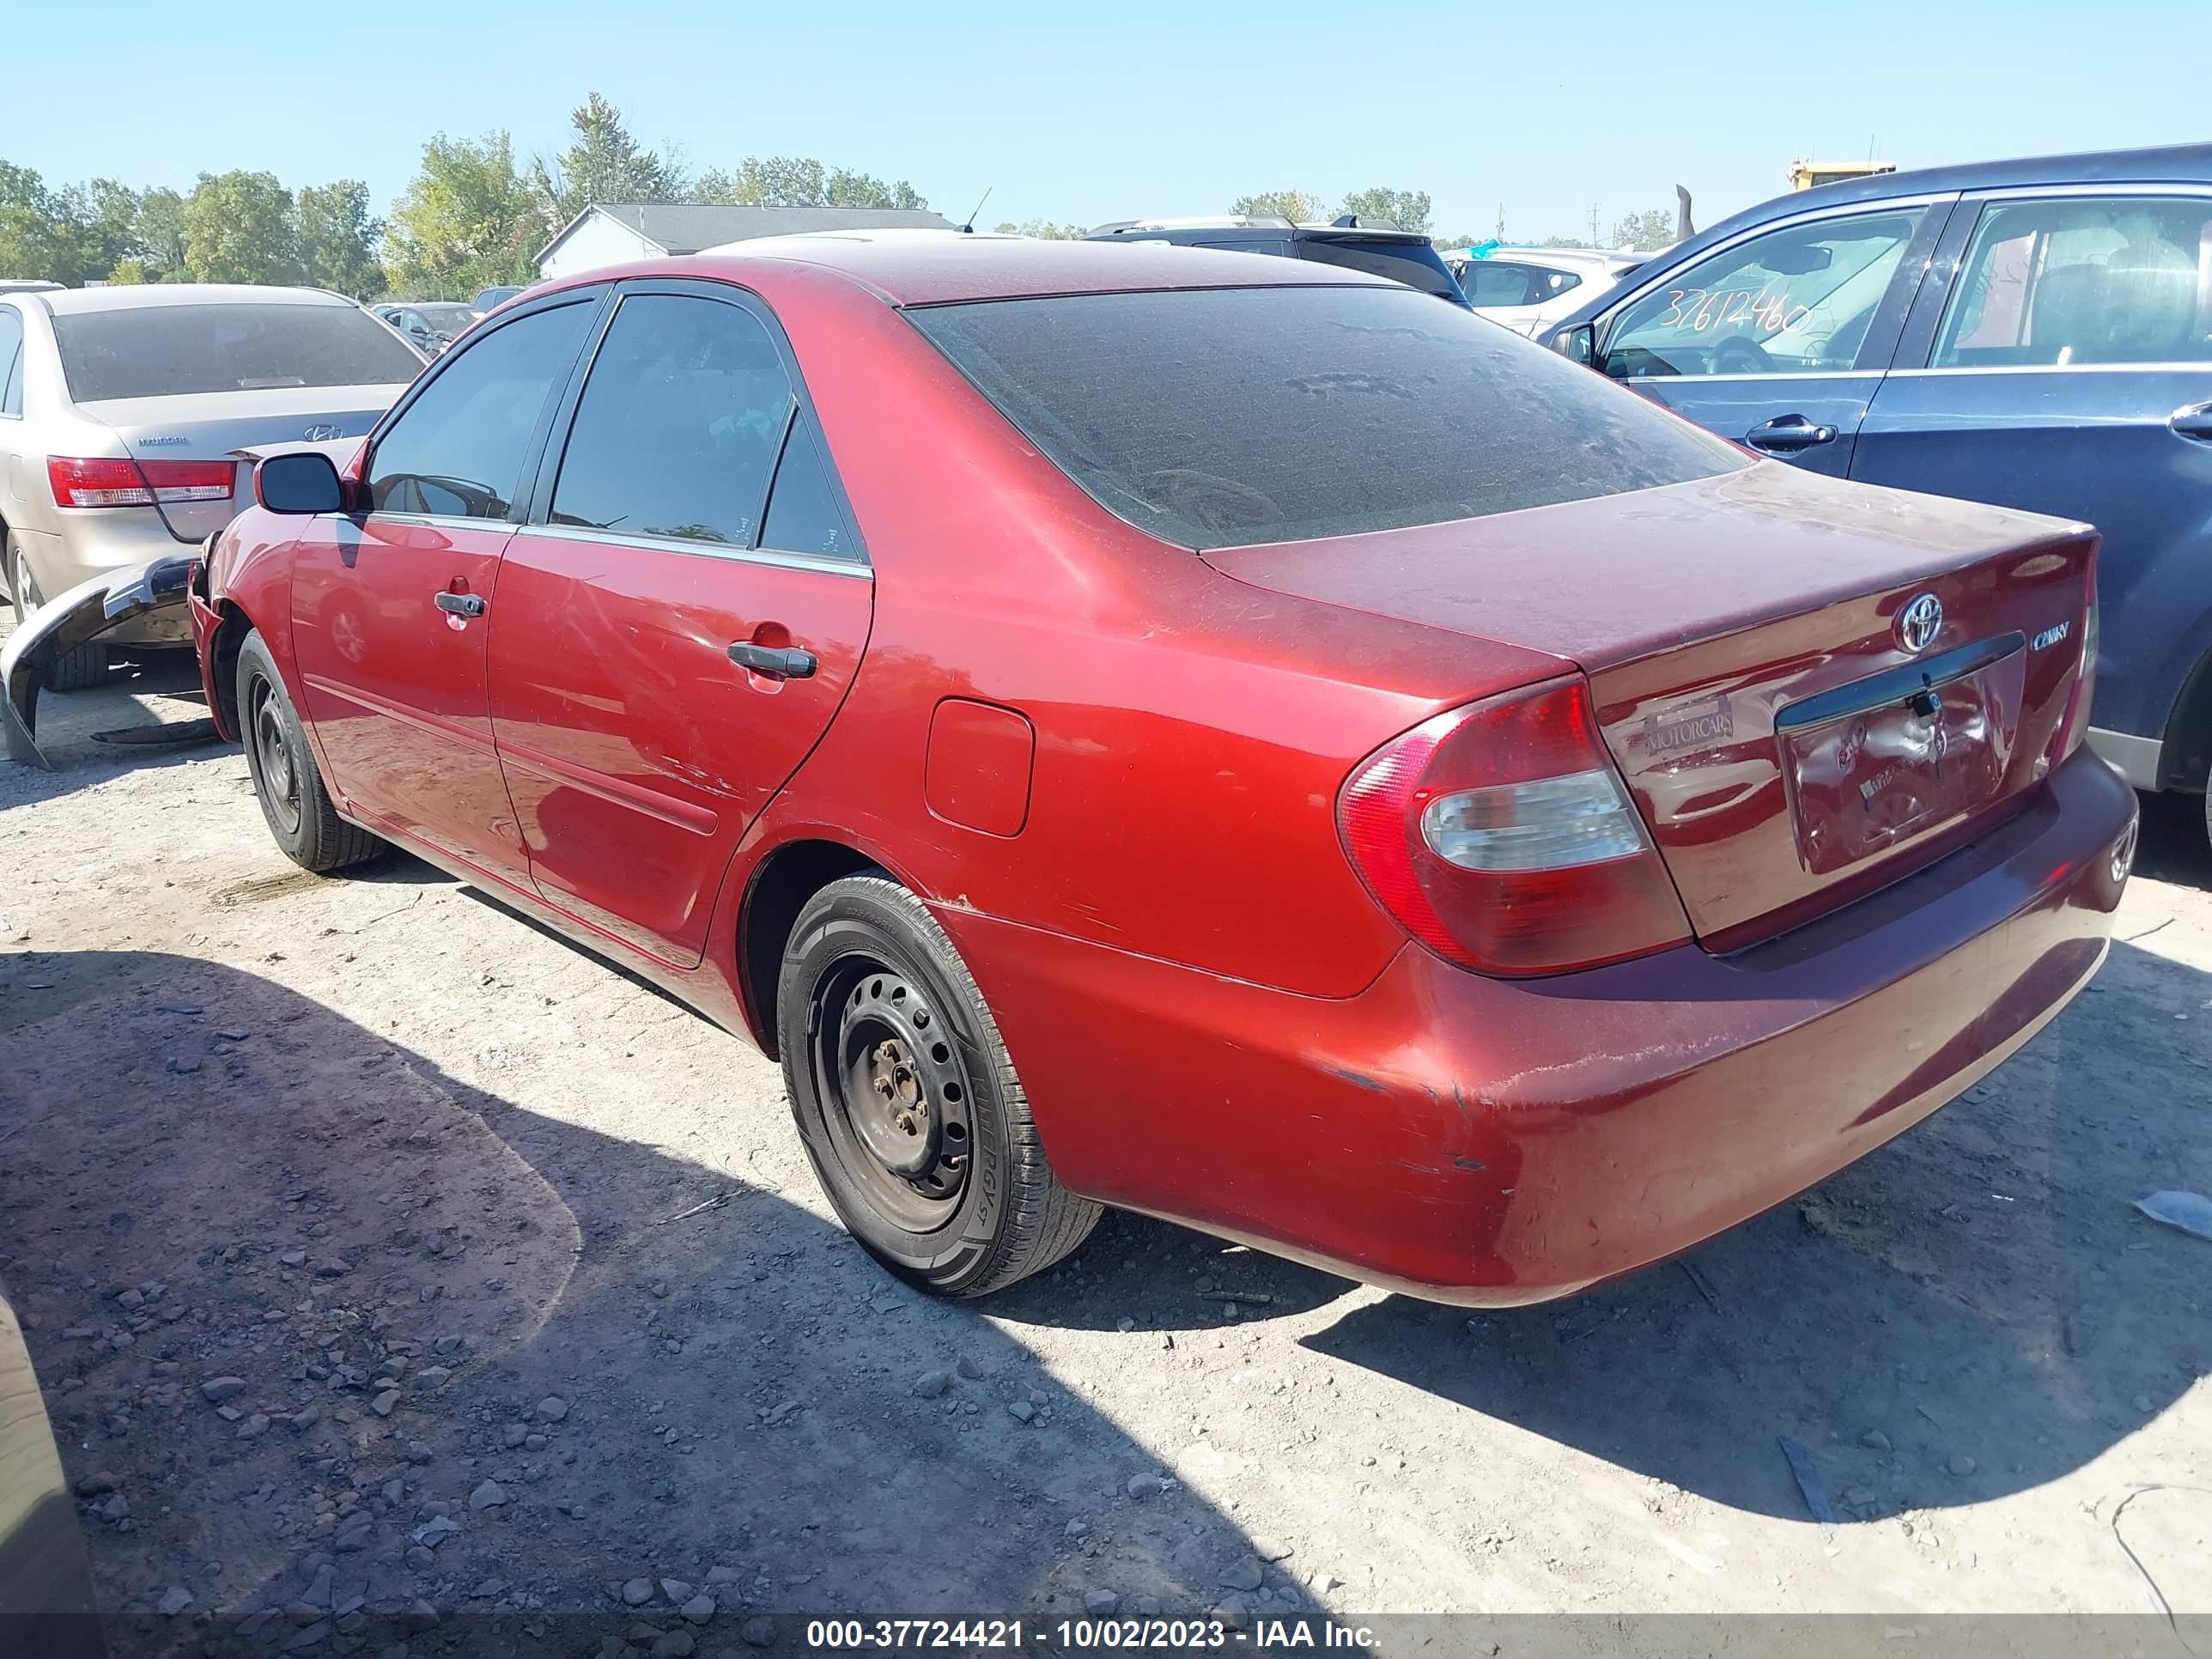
point(358, 1226)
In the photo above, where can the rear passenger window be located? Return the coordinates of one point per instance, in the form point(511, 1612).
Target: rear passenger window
point(11, 360)
point(679, 425)
point(1487, 284)
point(2076, 281)
point(803, 514)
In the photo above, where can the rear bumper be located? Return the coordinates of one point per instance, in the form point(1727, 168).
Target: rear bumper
point(1492, 1142)
point(140, 596)
point(105, 542)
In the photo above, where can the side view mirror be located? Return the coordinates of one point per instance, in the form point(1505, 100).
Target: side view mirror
point(1579, 345)
point(298, 483)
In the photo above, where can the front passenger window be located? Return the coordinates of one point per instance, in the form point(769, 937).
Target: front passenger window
point(458, 450)
point(1797, 300)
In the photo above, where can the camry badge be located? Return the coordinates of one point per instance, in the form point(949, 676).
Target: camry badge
point(2050, 636)
point(1919, 622)
point(322, 434)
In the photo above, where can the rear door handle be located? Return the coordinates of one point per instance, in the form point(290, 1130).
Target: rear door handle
point(1785, 435)
point(461, 605)
point(2193, 422)
point(775, 663)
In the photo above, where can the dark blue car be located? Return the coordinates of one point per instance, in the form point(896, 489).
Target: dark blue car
point(2037, 334)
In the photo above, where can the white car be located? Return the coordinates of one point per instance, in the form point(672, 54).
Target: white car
point(1529, 289)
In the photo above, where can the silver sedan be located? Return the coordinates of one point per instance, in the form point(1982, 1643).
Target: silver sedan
point(122, 414)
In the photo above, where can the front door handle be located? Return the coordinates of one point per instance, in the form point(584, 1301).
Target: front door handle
point(1785, 435)
point(2193, 422)
point(461, 605)
point(774, 662)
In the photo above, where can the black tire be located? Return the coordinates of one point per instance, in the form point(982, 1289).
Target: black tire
point(80, 670)
point(294, 802)
point(907, 1101)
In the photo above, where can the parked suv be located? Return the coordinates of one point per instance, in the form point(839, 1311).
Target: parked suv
point(2034, 333)
point(1528, 288)
point(1403, 256)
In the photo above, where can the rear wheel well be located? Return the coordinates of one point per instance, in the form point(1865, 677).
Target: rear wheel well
point(2186, 756)
point(778, 890)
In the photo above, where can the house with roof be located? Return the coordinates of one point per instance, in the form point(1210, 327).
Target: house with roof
point(609, 233)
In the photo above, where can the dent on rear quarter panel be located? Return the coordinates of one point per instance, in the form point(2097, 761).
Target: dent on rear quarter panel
point(1191, 732)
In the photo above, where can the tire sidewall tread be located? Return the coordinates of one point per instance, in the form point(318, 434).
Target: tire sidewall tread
point(1015, 1218)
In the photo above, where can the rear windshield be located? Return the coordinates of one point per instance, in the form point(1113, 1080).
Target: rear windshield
point(1217, 417)
point(160, 351)
point(1414, 264)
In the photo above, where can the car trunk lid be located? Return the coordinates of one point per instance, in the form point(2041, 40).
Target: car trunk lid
point(1790, 739)
point(217, 426)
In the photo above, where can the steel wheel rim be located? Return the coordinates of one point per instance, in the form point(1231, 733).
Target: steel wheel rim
point(895, 1091)
point(273, 759)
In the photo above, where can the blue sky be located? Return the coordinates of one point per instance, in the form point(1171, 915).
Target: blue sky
point(1097, 112)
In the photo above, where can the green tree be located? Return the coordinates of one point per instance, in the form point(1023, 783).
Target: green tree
point(1645, 232)
point(467, 221)
point(39, 238)
point(106, 214)
point(802, 181)
point(1407, 209)
point(339, 239)
point(129, 273)
point(239, 228)
point(1044, 229)
point(605, 164)
point(1298, 206)
point(161, 234)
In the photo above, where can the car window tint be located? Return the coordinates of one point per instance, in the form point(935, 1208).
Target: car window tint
point(1797, 300)
point(679, 425)
point(803, 514)
point(1216, 417)
point(1487, 282)
point(11, 360)
point(458, 450)
point(1417, 265)
point(1555, 282)
point(2076, 281)
point(245, 345)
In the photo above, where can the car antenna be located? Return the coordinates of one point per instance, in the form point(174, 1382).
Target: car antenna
point(969, 229)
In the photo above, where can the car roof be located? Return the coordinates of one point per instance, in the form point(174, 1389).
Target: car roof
point(1267, 229)
point(2167, 164)
point(944, 267)
point(137, 296)
point(1527, 253)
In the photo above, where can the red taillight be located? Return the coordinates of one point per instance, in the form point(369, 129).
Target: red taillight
point(119, 480)
point(1501, 837)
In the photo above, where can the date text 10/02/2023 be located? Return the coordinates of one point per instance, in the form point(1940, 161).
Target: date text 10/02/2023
point(1079, 1635)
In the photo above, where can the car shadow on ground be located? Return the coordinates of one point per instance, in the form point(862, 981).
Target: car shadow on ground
point(90, 735)
point(421, 1287)
point(1976, 1309)
point(2174, 847)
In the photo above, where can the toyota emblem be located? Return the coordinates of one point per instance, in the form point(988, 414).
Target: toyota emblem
point(1919, 622)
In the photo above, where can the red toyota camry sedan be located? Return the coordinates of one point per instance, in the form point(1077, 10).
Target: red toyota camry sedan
point(1235, 739)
